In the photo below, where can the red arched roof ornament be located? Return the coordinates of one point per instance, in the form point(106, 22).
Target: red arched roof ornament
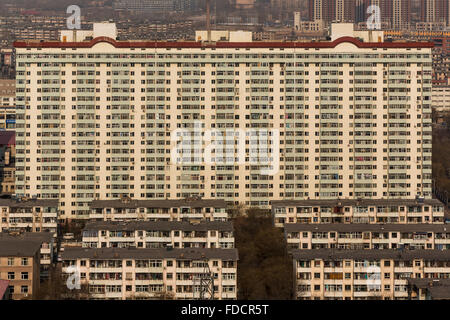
point(193, 44)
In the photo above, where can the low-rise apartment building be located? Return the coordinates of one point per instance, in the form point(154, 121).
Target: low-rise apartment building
point(160, 234)
point(20, 264)
point(128, 274)
point(441, 99)
point(29, 215)
point(47, 247)
point(368, 236)
point(365, 274)
point(372, 211)
point(158, 210)
point(426, 289)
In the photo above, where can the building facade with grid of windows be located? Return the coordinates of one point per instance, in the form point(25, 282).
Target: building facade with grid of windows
point(363, 211)
point(365, 274)
point(123, 274)
point(368, 236)
point(100, 119)
point(159, 234)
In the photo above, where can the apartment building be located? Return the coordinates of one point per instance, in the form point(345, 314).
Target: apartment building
point(19, 264)
point(7, 104)
point(47, 247)
point(426, 289)
point(319, 120)
point(160, 234)
point(7, 162)
point(129, 274)
point(441, 99)
point(368, 236)
point(365, 211)
point(31, 215)
point(190, 210)
point(365, 274)
point(156, 6)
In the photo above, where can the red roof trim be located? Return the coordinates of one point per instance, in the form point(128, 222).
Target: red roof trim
point(194, 45)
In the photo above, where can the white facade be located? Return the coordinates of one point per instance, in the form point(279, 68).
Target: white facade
point(105, 120)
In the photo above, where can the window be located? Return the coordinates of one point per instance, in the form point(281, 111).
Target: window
point(387, 263)
point(24, 261)
point(10, 261)
point(129, 263)
point(11, 276)
point(316, 275)
point(316, 287)
point(83, 263)
point(24, 275)
point(24, 289)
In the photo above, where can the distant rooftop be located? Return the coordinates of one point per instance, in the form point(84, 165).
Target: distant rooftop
point(26, 236)
point(30, 203)
point(17, 247)
point(7, 138)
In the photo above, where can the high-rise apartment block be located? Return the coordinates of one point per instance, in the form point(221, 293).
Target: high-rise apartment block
point(246, 122)
point(393, 13)
point(434, 10)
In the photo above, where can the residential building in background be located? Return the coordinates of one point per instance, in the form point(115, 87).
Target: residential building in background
point(30, 215)
point(395, 14)
point(434, 11)
point(160, 234)
point(189, 210)
point(368, 236)
point(7, 162)
point(20, 265)
point(365, 274)
point(441, 99)
point(363, 211)
point(354, 121)
point(157, 6)
point(7, 104)
point(138, 274)
point(424, 289)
